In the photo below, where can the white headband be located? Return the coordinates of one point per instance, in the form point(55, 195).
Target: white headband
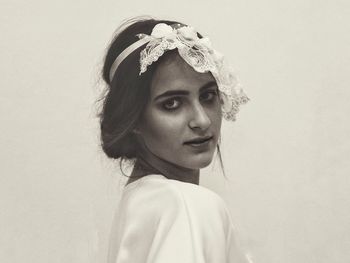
point(197, 52)
point(124, 54)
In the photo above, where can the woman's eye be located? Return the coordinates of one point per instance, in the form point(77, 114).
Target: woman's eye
point(208, 96)
point(171, 104)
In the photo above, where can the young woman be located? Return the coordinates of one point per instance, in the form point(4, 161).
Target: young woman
point(167, 92)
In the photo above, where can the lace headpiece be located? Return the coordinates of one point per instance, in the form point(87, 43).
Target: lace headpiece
point(197, 52)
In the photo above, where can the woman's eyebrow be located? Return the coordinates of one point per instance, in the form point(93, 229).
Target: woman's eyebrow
point(184, 92)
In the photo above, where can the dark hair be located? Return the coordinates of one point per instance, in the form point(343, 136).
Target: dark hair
point(127, 93)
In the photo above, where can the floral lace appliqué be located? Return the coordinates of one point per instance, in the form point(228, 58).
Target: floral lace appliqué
point(200, 55)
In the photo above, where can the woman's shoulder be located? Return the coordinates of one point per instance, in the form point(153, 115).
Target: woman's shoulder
point(151, 192)
point(157, 185)
point(158, 194)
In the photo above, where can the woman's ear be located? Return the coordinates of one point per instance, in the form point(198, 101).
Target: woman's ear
point(136, 131)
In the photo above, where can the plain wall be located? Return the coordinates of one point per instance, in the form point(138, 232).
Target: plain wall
point(286, 156)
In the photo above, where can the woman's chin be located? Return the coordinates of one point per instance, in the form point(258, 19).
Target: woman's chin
point(199, 157)
point(200, 162)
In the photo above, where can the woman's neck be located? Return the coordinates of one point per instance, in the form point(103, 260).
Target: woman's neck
point(148, 163)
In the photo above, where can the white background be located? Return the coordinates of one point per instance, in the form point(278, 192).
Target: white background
point(287, 155)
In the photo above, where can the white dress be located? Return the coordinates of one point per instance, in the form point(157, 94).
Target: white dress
point(161, 220)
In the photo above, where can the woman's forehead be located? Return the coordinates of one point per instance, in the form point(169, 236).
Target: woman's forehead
point(175, 73)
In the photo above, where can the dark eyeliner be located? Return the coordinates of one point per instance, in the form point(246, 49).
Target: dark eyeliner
point(164, 107)
point(212, 92)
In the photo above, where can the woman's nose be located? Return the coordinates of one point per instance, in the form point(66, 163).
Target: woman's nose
point(199, 118)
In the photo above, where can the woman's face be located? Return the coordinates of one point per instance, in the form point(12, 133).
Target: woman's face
point(182, 120)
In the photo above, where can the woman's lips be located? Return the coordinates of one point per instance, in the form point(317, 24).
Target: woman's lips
point(199, 141)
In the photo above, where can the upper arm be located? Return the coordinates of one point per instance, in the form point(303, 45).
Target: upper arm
point(171, 223)
point(154, 225)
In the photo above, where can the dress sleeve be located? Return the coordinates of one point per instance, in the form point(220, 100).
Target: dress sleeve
point(173, 241)
point(164, 224)
point(152, 226)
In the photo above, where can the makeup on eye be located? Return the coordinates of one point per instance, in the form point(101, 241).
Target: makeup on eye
point(171, 104)
point(183, 92)
point(174, 103)
point(209, 95)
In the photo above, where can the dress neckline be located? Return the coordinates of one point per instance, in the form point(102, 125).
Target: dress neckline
point(149, 176)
